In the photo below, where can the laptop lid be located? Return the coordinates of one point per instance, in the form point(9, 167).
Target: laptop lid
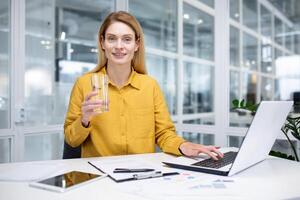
point(260, 137)
point(262, 134)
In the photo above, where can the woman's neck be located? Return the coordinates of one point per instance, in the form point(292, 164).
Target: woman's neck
point(119, 75)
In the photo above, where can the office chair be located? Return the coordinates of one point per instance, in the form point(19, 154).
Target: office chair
point(71, 152)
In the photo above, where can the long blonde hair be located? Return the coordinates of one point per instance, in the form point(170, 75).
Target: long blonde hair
point(138, 61)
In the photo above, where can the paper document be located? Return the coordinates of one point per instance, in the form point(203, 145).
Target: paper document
point(135, 169)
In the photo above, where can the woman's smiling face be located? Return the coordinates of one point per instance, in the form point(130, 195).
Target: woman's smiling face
point(119, 44)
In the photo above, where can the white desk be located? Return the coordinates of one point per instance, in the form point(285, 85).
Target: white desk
point(271, 179)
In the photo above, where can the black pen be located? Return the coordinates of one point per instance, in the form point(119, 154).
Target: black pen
point(127, 170)
point(170, 174)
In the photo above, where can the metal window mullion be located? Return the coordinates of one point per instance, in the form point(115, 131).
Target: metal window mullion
point(163, 53)
point(197, 115)
point(284, 26)
point(259, 39)
point(221, 47)
point(42, 129)
point(11, 138)
point(237, 131)
point(17, 74)
point(197, 128)
point(41, 133)
point(200, 61)
point(121, 5)
point(180, 70)
point(241, 43)
point(275, 11)
point(201, 6)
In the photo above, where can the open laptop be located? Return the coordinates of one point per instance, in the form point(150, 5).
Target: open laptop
point(260, 137)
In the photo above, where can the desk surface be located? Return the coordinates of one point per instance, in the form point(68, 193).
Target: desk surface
point(273, 178)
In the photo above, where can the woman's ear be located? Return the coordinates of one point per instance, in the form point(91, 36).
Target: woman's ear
point(137, 44)
point(102, 42)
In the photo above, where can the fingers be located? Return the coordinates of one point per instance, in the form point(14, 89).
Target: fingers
point(216, 151)
point(219, 154)
point(89, 106)
point(92, 103)
point(210, 154)
point(211, 151)
point(90, 95)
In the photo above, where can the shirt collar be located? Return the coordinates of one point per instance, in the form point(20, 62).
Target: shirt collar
point(133, 78)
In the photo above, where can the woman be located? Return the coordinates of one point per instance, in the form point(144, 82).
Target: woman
point(138, 117)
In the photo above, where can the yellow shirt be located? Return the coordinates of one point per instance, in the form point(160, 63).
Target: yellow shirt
point(137, 119)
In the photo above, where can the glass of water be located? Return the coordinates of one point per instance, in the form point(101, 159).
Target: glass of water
point(100, 84)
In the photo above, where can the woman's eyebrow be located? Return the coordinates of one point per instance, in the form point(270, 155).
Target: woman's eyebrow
point(125, 35)
point(128, 35)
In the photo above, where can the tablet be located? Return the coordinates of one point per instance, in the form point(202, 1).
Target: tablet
point(66, 181)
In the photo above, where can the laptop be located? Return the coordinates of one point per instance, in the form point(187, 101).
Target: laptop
point(260, 137)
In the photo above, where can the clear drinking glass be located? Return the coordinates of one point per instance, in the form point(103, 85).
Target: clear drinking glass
point(100, 84)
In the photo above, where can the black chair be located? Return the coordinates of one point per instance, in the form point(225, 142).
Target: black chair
point(71, 152)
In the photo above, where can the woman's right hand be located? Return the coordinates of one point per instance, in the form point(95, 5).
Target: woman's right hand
point(88, 108)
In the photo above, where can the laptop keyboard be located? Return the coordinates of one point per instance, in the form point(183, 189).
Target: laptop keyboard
point(211, 163)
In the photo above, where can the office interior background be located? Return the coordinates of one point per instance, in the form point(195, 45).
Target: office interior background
point(204, 54)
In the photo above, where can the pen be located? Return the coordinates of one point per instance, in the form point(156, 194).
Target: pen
point(126, 170)
point(153, 175)
point(96, 167)
point(170, 174)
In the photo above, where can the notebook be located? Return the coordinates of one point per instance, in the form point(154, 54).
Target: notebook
point(260, 137)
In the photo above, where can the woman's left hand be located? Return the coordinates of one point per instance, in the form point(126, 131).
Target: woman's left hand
point(193, 149)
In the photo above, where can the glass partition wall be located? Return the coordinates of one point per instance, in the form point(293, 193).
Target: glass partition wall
point(6, 134)
point(60, 46)
point(264, 40)
point(203, 53)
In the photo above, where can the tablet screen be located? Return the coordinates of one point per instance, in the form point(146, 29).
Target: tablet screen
point(69, 179)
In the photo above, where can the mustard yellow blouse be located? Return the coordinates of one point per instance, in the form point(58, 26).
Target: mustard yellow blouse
point(137, 119)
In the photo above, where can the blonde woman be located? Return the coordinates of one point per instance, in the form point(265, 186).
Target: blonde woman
point(138, 117)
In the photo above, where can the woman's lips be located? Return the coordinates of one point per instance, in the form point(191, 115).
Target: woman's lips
point(119, 55)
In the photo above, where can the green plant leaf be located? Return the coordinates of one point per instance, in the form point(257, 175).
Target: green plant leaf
point(281, 155)
point(253, 108)
point(296, 134)
point(290, 120)
point(284, 129)
point(248, 104)
point(235, 103)
point(242, 103)
point(289, 126)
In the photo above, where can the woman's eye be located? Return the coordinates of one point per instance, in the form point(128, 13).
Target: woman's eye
point(111, 39)
point(127, 40)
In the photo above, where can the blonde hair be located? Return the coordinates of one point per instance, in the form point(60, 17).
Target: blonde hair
point(138, 61)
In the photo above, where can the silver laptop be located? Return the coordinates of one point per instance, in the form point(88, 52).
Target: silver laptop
point(260, 137)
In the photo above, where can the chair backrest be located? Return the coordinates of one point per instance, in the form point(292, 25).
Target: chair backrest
point(71, 152)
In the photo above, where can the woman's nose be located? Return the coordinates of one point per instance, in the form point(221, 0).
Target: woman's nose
point(119, 43)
